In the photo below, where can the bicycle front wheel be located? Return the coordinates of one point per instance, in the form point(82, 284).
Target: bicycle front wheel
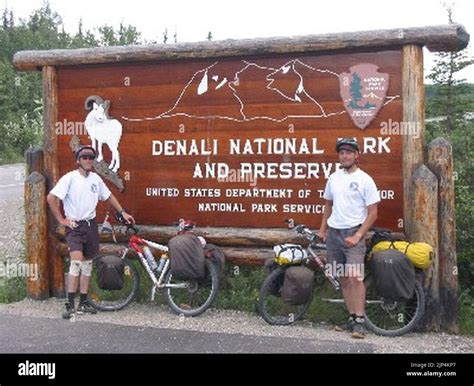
point(392, 318)
point(114, 300)
point(271, 306)
point(191, 297)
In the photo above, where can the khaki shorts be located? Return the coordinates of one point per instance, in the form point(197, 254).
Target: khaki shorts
point(84, 238)
point(339, 252)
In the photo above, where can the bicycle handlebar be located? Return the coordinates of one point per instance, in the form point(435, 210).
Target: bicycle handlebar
point(304, 230)
point(131, 228)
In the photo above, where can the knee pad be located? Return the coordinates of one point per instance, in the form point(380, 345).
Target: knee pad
point(75, 267)
point(86, 269)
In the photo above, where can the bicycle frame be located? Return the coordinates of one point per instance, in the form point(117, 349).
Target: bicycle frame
point(136, 244)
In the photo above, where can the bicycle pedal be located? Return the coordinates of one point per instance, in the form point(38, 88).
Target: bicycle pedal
point(153, 293)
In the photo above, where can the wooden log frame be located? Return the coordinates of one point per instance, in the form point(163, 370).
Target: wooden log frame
point(51, 173)
point(450, 37)
point(440, 162)
point(234, 256)
point(413, 112)
point(37, 230)
point(241, 246)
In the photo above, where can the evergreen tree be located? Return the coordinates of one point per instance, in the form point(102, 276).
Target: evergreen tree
point(448, 100)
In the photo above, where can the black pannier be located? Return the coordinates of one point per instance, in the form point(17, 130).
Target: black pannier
point(110, 271)
point(187, 257)
point(297, 285)
point(394, 275)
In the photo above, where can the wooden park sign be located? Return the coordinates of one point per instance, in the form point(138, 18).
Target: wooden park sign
point(240, 135)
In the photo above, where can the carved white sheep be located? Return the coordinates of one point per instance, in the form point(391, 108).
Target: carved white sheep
point(103, 129)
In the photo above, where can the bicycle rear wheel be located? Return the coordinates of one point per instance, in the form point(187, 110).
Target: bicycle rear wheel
point(191, 297)
point(113, 300)
point(392, 318)
point(271, 306)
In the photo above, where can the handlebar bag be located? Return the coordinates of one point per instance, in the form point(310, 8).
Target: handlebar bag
point(297, 285)
point(289, 254)
point(187, 257)
point(110, 271)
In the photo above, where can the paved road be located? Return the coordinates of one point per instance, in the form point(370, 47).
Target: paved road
point(43, 335)
point(11, 180)
point(11, 211)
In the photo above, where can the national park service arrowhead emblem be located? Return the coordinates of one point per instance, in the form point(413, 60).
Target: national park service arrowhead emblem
point(363, 92)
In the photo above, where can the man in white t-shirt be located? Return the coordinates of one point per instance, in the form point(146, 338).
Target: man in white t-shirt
point(80, 191)
point(351, 209)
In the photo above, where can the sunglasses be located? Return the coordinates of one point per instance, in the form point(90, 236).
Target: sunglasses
point(88, 157)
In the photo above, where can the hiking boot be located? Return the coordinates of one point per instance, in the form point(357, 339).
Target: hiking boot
point(69, 311)
point(348, 326)
point(86, 308)
point(359, 331)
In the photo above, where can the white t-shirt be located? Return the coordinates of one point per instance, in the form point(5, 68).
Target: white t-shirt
point(351, 194)
point(80, 194)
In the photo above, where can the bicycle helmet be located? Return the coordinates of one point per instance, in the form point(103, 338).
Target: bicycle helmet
point(347, 144)
point(85, 150)
point(186, 225)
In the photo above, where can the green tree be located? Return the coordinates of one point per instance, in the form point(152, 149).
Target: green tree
point(449, 97)
point(20, 92)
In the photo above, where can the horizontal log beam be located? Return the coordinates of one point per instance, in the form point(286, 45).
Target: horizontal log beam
point(449, 37)
point(243, 237)
point(237, 256)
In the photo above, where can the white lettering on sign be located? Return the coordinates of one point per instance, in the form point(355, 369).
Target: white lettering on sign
point(287, 170)
point(387, 194)
point(184, 147)
point(376, 145)
point(274, 146)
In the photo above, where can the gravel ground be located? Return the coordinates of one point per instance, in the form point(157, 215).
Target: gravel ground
point(227, 321)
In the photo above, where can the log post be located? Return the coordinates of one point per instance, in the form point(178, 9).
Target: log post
point(34, 160)
point(51, 173)
point(36, 229)
point(440, 161)
point(413, 96)
point(425, 228)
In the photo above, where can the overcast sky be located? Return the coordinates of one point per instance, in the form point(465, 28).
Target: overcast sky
point(254, 18)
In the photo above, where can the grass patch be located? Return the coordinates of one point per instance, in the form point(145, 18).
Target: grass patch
point(239, 289)
point(12, 289)
point(466, 314)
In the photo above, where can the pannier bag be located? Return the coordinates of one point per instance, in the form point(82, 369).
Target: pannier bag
point(217, 257)
point(110, 271)
point(297, 285)
point(186, 257)
point(394, 275)
point(420, 254)
point(275, 287)
point(289, 254)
